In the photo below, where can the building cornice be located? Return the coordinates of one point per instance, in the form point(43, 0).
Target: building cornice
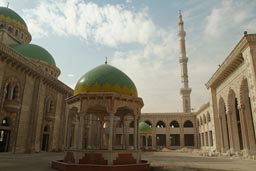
point(232, 62)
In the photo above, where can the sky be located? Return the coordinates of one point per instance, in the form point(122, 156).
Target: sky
point(140, 38)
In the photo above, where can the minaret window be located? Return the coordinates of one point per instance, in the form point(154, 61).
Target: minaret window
point(16, 32)
point(1, 25)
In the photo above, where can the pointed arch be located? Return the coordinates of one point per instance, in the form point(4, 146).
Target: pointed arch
point(174, 124)
point(188, 124)
point(160, 124)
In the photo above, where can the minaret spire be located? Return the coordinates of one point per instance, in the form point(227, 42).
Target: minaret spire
point(184, 90)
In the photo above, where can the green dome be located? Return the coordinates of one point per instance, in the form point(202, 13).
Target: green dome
point(34, 52)
point(12, 16)
point(106, 78)
point(144, 128)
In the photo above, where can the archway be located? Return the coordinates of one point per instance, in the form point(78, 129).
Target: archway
point(5, 132)
point(45, 140)
point(225, 138)
point(246, 110)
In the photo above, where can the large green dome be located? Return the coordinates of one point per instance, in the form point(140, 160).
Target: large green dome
point(106, 78)
point(11, 16)
point(34, 52)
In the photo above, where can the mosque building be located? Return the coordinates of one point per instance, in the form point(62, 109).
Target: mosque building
point(40, 113)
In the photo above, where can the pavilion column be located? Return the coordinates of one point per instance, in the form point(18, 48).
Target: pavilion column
point(76, 133)
point(101, 130)
point(146, 141)
point(80, 131)
point(124, 134)
point(230, 129)
point(221, 134)
point(135, 143)
point(110, 140)
point(244, 127)
point(89, 132)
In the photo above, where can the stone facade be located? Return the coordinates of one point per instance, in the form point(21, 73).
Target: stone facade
point(232, 97)
point(32, 105)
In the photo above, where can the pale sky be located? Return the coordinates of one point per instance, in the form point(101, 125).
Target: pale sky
point(140, 38)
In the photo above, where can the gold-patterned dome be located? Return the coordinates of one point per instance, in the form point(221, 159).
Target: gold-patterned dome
point(106, 78)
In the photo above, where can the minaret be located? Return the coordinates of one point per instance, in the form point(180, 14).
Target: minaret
point(184, 90)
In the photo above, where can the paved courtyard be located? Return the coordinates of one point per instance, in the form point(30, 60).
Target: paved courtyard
point(161, 161)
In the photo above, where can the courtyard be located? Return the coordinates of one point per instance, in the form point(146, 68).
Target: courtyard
point(160, 161)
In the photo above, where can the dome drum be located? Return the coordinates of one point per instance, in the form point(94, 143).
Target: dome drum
point(14, 25)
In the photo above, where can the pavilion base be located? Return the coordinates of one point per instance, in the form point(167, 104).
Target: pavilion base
point(101, 160)
point(60, 165)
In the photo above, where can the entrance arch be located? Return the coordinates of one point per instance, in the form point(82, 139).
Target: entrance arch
point(5, 132)
point(45, 140)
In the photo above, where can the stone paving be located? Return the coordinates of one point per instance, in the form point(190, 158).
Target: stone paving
point(160, 161)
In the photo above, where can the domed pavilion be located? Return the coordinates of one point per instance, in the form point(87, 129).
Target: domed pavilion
point(105, 101)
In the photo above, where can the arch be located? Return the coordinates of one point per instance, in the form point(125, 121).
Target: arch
point(1, 25)
point(174, 124)
point(15, 93)
point(49, 106)
point(248, 119)
point(7, 91)
point(149, 123)
point(208, 117)
point(131, 125)
point(5, 134)
point(188, 124)
point(201, 120)
point(236, 133)
point(224, 127)
point(160, 124)
point(10, 29)
point(204, 118)
point(6, 122)
point(16, 32)
point(45, 139)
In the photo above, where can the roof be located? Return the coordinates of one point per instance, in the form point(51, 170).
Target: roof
point(35, 52)
point(106, 78)
point(12, 16)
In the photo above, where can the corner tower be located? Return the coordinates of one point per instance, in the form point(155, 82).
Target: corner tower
point(184, 90)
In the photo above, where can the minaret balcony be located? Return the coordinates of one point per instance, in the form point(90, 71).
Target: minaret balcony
point(185, 90)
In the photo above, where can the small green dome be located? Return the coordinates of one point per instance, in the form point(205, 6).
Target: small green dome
point(11, 16)
point(34, 52)
point(106, 78)
point(144, 128)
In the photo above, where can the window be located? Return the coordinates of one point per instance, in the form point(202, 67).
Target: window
point(189, 139)
point(10, 29)
point(131, 125)
point(211, 138)
point(160, 124)
point(208, 117)
point(174, 124)
point(175, 139)
point(204, 119)
point(188, 124)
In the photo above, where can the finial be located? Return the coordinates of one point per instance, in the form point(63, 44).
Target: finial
point(180, 12)
point(8, 4)
point(106, 62)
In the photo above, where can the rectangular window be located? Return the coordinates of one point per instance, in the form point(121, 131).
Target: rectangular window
point(206, 139)
point(211, 138)
point(202, 139)
point(189, 139)
point(175, 139)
